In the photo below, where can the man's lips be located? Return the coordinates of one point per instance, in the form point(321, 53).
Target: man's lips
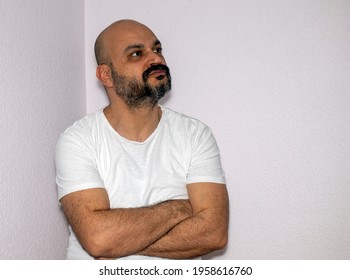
point(158, 73)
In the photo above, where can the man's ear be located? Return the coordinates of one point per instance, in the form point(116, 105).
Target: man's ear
point(103, 73)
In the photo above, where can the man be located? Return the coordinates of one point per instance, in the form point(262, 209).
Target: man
point(137, 180)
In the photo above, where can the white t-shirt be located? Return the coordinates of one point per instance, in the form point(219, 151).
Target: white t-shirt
point(91, 154)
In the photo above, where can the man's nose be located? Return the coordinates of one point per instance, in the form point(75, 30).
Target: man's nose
point(154, 58)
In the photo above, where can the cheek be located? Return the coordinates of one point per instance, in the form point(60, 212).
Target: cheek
point(135, 70)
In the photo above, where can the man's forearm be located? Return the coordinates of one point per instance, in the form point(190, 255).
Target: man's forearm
point(204, 232)
point(191, 238)
point(123, 232)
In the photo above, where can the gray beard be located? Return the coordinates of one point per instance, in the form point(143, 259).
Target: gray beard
point(138, 94)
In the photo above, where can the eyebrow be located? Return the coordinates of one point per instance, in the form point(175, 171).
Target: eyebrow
point(140, 46)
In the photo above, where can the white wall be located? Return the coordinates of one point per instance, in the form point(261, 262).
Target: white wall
point(272, 80)
point(42, 91)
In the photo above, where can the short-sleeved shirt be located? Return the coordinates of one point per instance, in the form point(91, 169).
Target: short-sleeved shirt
point(91, 154)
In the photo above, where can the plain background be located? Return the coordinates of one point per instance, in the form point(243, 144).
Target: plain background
point(271, 78)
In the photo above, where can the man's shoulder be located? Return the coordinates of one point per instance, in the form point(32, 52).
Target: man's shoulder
point(85, 124)
point(177, 119)
point(83, 130)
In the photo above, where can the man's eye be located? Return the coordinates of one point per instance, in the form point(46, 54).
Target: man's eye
point(135, 54)
point(158, 50)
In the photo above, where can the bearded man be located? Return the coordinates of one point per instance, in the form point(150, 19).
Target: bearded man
point(137, 180)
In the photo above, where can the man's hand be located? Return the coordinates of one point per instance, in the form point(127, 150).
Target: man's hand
point(204, 232)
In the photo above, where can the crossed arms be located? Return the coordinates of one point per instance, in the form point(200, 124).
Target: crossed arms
point(176, 229)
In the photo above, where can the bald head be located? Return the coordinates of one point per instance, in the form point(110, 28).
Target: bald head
point(109, 37)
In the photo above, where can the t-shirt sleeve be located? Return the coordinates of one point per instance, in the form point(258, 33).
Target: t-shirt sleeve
point(75, 165)
point(205, 164)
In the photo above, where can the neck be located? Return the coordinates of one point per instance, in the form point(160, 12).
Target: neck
point(133, 124)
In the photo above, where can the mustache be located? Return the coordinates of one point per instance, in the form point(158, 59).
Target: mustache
point(155, 68)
